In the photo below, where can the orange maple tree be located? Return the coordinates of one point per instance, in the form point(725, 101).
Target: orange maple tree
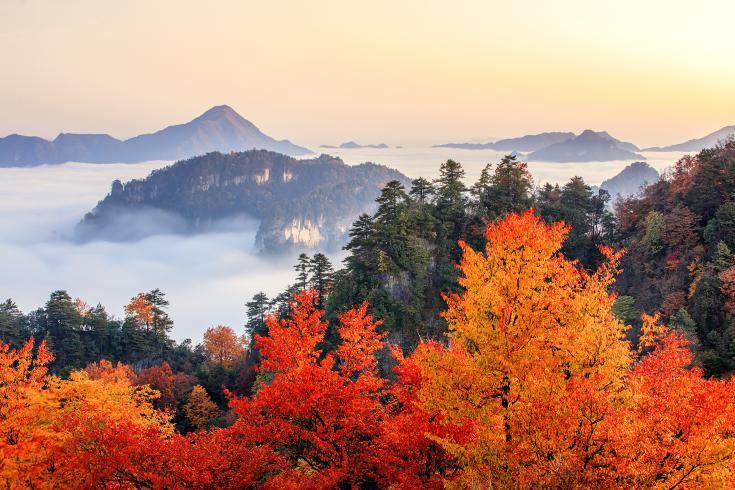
point(43, 419)
point(675, 429)
point(173, 387)
point(223, 346)
point(140, 309)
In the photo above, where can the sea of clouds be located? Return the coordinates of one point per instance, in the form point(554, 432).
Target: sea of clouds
point(207, 277)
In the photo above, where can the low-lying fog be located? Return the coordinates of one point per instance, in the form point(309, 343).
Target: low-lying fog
point(207, 278)
point(424, 162)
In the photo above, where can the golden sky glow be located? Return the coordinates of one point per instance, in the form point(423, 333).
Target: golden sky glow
point(403, 72)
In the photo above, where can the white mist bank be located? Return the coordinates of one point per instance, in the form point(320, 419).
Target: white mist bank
point(208, 277)
point(425, 162)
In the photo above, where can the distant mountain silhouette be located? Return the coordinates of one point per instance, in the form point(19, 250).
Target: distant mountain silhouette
point(529, 142)
point(630, 180)
point(218, 129)
point(352, 145)
point(700, 143)
point(589, 146)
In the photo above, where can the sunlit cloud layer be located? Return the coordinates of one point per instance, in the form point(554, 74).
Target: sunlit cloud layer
point(207, 278)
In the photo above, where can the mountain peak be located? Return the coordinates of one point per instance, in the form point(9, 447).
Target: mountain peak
point(587, 147)
point(218, 129)
point(592, 134)
point(220, 111)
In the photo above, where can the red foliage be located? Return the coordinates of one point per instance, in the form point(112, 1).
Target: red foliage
point(173, 387)
point(326, 408)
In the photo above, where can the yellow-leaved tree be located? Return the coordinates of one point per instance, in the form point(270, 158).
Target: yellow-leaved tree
point(534, 362)
point(200, 408)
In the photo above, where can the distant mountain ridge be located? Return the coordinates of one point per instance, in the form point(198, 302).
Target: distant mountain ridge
point(353, 145)
point(218, 129)
point(309, 203)
point(589, 146)
point(529, 142)
point(699, 144)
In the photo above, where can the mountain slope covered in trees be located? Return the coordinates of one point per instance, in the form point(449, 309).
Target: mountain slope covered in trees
point(679, 236)
point(309, 203)
point(537, 387)
point(402, 257)
point(467, 341)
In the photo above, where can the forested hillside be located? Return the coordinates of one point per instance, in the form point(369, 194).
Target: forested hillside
point(308, 203)
point(402, 257)
point(679, 238)
point(501, 335)
point(537, 387)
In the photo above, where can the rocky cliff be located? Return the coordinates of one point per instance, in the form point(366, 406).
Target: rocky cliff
point(306, 203)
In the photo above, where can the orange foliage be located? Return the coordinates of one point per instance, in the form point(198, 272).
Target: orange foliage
point(538, 369)
point(21, 444)
point(327, 409)
point(104, 370)
point(200, 408)
point(535, 357)
point(675, 429)
point(140, 309)
point(43, 418)
point(223, 346)
point(81, 307)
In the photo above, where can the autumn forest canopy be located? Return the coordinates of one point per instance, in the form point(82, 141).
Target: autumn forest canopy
point(498, 336)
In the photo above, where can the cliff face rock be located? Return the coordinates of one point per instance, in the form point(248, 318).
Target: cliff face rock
point(306, 203)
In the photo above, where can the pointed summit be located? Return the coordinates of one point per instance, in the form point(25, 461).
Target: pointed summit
point(589, 146)
point(219, 112)
point(218, 129)
point(220, 109)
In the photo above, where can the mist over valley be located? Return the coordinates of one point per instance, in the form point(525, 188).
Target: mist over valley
point(207, 275)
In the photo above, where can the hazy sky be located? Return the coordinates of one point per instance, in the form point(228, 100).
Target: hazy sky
point(651, 72)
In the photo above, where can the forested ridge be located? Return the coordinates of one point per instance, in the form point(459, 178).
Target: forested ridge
point(498, 336)
point(300, 203)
